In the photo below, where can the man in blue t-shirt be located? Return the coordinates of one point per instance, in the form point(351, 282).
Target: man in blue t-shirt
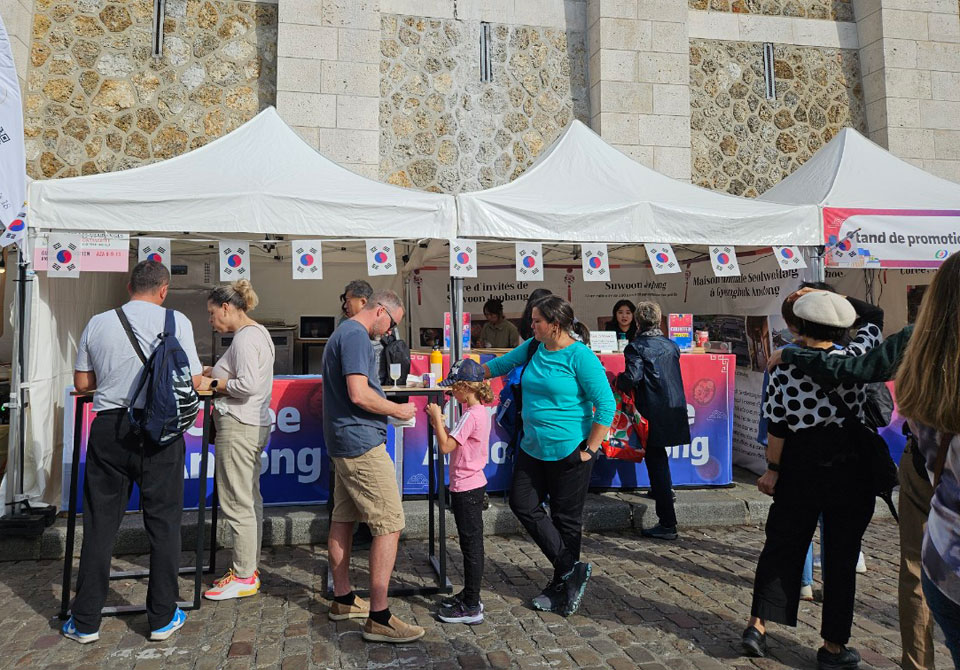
point(355, 412)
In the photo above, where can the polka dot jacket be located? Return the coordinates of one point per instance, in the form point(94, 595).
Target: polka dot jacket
point(794, 401)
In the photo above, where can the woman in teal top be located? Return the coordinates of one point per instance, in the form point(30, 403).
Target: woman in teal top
point(567, 408)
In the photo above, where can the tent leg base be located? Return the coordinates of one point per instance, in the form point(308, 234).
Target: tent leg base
point(27, 521)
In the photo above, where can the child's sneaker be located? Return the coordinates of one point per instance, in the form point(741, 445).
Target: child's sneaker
point(176, 623)
point(69, 630)
point(461, 613)
point(230, 586)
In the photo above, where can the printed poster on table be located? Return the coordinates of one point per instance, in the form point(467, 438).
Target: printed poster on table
point(234, 261)
point(307, 259)
point(154, 249)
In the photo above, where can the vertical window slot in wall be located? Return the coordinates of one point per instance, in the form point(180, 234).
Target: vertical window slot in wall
point(486, 65)
point(158, 14)
point(769, 76)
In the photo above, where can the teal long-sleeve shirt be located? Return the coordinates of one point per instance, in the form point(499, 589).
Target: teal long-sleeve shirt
point(560, 391)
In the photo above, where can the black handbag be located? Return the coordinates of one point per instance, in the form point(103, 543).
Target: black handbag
point(874, 452)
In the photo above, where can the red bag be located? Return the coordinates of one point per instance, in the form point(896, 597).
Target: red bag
point(629, 429)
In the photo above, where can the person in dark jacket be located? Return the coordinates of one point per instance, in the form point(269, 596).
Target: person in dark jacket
point(653, 374)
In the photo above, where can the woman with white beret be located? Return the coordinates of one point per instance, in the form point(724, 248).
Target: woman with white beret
point(814, 469)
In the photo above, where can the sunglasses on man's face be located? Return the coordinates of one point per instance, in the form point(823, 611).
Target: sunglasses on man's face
point(393, 323)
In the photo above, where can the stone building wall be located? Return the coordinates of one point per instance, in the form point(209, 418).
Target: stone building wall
point(743, 143)
point(442, 129)
point(836, 10)
point(97, 101)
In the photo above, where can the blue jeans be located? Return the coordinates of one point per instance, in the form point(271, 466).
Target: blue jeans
point(947, 615)
point(806, 579)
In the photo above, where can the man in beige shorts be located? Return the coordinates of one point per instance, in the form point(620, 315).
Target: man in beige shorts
point(355, 412)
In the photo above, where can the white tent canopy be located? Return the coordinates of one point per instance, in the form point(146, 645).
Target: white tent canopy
point(851, 171)
point(583, 190)
point(260, 178)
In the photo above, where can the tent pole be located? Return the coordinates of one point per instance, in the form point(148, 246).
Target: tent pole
point(14, 496)
point(816, 267)
point(456, 319)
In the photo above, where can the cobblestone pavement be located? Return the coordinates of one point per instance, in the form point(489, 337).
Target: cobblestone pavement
point(651, 605)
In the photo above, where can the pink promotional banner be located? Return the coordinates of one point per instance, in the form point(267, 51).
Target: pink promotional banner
point(890, 238)
point(99, 252)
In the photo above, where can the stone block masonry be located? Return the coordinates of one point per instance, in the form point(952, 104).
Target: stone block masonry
point(744, 143)
point(442, 129)
point(97, 101)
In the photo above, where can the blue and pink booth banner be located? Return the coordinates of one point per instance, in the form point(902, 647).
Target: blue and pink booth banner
point(890, 238)
point(295, 468)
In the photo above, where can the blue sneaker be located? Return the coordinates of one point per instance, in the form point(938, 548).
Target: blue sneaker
point(176, 623)
point(69, 630)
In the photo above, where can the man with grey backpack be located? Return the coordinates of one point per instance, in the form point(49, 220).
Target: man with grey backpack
point(141, 362)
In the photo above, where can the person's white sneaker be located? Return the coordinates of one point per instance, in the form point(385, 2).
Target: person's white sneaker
point(230, 586)
point(806, 592)
point(861, 564)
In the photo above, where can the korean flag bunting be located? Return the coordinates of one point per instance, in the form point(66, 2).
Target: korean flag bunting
point(724, 262)
point(662, 259)
point(154, 249)
point(596, 264)
point(63, 255)
point(381, 258)
point(16, 231)
point(789, 258)
point(529, 261)
point(234, 261)
point(307, 259)
point(463, 258)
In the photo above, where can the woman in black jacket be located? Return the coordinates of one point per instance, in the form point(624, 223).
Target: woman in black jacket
point(653, 374)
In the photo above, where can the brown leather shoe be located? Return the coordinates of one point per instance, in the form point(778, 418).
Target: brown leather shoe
point(360, 609)
point(396, 632)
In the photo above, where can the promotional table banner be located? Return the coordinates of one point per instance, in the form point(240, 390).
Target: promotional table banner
point(307, 259)
point(723, 260)
point(63, 255)
point(789, 258)
point(529, 261)
point(463, 258)
point(234, 260)
point(662, 259)
point(596, 262)
point(13, 175)
point(381, 258)
point(154, 249)
point(16, 231)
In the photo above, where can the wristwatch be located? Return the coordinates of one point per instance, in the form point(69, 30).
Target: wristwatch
point(590, 452)
point(773, 467)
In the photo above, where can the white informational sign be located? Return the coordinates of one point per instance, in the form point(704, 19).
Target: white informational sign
point(63, 255)
point(596, 262)
point(723, 260)
point(789, 258)
point(889, 237)
point(13, 175)
point(662, 259)
point(603, 341)
point(463, 258)
point(154, 249)
point(234, 261)
point(529, 261)
point(381, 258)
point(306, 258)
point(99, 252)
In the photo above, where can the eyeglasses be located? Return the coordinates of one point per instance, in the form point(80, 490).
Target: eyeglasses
point(393, 323)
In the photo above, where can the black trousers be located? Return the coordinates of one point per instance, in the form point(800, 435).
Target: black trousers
point(468, 513)
point(806, 489)
point(661, 484)
point(565, 482)
point(116, 459)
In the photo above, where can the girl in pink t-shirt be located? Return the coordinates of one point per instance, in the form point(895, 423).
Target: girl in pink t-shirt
point(468, 445)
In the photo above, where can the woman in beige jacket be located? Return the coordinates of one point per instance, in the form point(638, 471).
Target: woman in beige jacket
point(242, 381)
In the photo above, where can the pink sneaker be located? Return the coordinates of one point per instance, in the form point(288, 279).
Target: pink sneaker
point(230, 586)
